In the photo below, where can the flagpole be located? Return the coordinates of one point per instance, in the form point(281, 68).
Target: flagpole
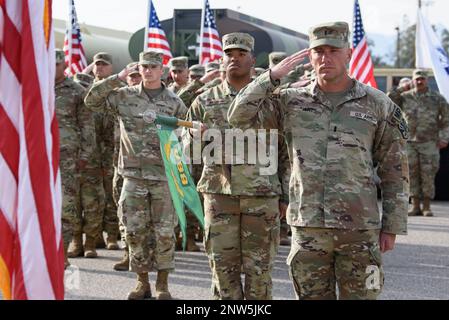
point(203, 13)
point(69, 35)
point(147, 28)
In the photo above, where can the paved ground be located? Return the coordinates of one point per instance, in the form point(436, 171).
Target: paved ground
point(417, 269)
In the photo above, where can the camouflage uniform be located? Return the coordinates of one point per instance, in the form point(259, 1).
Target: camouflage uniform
point(333, 207)
point(427, 115)
point(241, 206)
point(144, 208)
point(74, 122)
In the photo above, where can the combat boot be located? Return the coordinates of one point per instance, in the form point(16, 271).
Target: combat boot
point(191, 245)
point(415, 209)
point(99, 242)
point(112, 242)
point(89, 247)
point(143, 288)
point(285, 241)
point(76, 248)
point(162, 292)
point(123, 265)
point(426, 211)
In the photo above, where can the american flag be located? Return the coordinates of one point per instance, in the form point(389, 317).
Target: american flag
point(210, 43)
point(31, 249)
point(361, 66)
point(75, 58)
point(155, 39)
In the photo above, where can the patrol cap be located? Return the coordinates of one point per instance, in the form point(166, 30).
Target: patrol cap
point(404, 81)
point(275, 57)
point(103, 57)
point(212, 66)
point(179, 63)
point(335, 34)
point(59, 56)
point(150, 58)
point(134, 66)
point(259, 71)
point(238, 40)
point(197, 70)
point(83, 79)
point(419, 73)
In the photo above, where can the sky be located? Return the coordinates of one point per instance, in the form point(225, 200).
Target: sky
point(379, 16)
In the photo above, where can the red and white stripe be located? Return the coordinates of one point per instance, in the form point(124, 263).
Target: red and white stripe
point(211, 48)
point(361, 66)
point(157, 41)
point(75, 57)
point(30, 193)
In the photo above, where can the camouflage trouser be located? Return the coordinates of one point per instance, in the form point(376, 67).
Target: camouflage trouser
point(192, 225)
point(92, 198)
point(110, 217)
point(241, 235)
point(146, 211)
point(117, 183)
point(70, 193)
point(321, 259)
point(424, 162)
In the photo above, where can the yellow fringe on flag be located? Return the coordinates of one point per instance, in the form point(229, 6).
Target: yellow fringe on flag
point(5, 285)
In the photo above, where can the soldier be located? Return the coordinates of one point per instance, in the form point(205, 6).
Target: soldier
point(196, 72)
point(132, 79)
point(405, 84)
point(212, 66)
point(179, 71)
point(337, 130)
point(72, 122)
point(145, 208)
point(241, 206)
point(427, 115)
point(83, 79)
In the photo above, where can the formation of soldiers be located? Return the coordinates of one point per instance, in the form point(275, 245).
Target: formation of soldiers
point(334, 134)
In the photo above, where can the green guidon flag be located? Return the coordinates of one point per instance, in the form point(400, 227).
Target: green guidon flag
point(182, 188)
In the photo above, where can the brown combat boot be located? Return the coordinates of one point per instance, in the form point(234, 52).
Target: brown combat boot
point(143, 288)
point(123, 265)
point(191, 245)
point(76, 247)
point(89, 247)
point(426, 211)
point(99, 242)
point(285, 240)
point(162, 292)
point(415, 209)
point(112, 242)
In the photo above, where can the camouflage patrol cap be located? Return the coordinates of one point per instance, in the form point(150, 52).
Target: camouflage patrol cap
point(83, 79)
point(59, 56)
point(134, 66)
point(197, 70)
point(150, 58)
point(212, 66)
point(275, 57)
point(419, 73)
point(335, 34)
point(238, 40)
point(259, 71)
point(179, 63)
point(103, 57)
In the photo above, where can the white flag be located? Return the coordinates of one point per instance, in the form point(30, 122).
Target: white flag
point(430, 54)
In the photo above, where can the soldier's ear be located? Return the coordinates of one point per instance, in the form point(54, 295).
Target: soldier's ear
point(349, 55)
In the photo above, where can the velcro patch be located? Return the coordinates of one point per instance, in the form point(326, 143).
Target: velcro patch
point(363, 116)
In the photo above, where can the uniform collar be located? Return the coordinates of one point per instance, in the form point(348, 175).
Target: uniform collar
point(228, 90)
point(356, 92)
point(142, 93)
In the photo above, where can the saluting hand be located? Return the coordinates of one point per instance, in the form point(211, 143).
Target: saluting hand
point(124, 73)
point(211, 75)
point(288, 64)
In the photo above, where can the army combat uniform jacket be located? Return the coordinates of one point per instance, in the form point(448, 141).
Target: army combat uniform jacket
point(140, 155)
point(333, 151)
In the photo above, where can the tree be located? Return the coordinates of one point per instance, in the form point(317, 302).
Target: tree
point(377, 60)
